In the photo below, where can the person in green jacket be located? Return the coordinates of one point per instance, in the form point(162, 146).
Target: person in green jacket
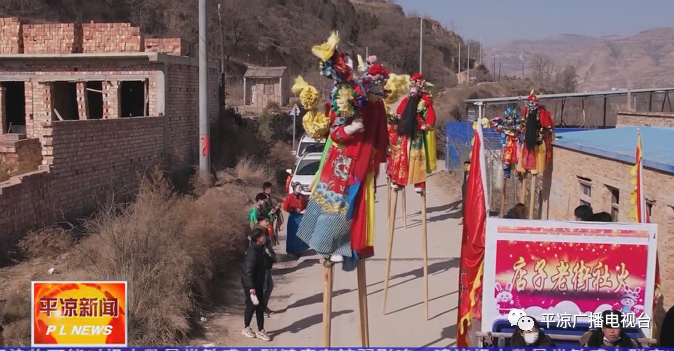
point(259, 207)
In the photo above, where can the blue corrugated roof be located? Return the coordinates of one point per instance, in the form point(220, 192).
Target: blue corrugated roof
point(620, 144)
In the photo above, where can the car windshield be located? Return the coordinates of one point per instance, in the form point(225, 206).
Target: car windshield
point(308, 167)
point(306, 148)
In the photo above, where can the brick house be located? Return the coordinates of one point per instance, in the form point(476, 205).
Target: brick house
point(593, 167)
point(262, 85)
point(90, 105)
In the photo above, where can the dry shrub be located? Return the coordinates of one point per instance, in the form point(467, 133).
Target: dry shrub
point(281, 157)
point(169, 248)
point(251, 172)
point(49, 242)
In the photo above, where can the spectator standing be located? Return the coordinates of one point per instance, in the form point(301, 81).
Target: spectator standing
point(253, 282)
point(516, 212)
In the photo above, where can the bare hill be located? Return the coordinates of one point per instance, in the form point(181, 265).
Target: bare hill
point(645, 60)
point(270, 32)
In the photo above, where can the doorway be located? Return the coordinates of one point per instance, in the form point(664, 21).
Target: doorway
point(132, 100)
point(15, 107)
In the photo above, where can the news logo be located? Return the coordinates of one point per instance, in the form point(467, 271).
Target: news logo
point(79, 313)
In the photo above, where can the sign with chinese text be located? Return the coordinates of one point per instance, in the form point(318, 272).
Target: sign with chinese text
point(79, 313)
point(568, 271)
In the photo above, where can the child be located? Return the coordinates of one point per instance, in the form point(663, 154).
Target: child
point(259, 208)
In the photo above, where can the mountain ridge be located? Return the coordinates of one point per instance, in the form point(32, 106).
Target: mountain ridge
point(643, 60)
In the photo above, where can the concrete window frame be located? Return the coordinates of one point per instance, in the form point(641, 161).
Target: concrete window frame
point(615, 203)
point(585, 191)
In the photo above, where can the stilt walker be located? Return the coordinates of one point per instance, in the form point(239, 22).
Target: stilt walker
point(339, 219)
point(397, 87)
point(413, 158)
point(509, 129)
point(536, 151)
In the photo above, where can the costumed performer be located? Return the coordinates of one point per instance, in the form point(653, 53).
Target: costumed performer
point(335, 223)
point(398, 87)
point(508, 127)
point(414, 156)
point(374, 77)
point(538, 133)
point(295, 204)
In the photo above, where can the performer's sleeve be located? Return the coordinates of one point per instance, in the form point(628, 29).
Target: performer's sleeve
point(303, 203)
point(546, 119)
point(401, 107)
point(430, 114)
point(287, 205)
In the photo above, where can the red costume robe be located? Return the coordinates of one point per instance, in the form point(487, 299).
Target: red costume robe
point(409, 156)
point(536, 160)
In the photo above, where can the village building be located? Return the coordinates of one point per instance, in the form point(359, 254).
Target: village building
point(593, 167)
point(265, 85)
point(83, 109)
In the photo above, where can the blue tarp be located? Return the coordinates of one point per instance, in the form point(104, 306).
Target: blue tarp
point(459, 135)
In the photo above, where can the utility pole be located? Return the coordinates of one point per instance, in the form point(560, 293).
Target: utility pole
point(222, 61)
point(421, 45)
point(480, 49)
point(367, 52)
point(468, 66)
point(204, 132)
point(458, 71)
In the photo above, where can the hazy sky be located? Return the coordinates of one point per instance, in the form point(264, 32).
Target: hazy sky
point(498, 21)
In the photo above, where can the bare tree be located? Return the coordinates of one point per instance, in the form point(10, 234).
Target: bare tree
point(566, 80)
point(473, 47)
point(543, 68)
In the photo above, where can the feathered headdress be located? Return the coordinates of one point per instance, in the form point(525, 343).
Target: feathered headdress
point(398, 87)
point(315, 122)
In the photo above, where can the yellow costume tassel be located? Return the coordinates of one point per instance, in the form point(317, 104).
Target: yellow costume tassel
point(327, 49)
point(369, 202)
point(315, 123)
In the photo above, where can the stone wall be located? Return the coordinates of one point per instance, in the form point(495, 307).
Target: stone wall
point(603, 174)
point(87, 159)
point(647, 119)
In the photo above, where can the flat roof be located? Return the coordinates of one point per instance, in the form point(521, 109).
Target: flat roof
point(620, 144)
point(497, 100)
point(150, 56)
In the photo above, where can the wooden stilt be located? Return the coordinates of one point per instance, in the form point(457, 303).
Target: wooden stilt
point(532, 195)
point(328, 280)
point(503, 197)
point(362, 304)
point(523, 188)
point(425, 244)
point(404, 200)
point(388, 199)
point(391, 229)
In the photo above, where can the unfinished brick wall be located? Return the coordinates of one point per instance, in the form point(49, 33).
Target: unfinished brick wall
point(11, 41)
point(20, 154)
point(604, 173)
point(182, 91)
point(59, 38)
point(648, 119)
point(111, 37)
point(86, 159)
point(170, 46)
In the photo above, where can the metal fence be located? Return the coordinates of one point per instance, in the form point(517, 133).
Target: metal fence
point(458, 147)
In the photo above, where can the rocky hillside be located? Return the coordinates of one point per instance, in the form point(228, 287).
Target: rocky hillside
point(644, 60)
point(271, 32)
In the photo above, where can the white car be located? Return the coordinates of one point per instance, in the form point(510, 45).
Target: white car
point(305, 171)
point(308, 145)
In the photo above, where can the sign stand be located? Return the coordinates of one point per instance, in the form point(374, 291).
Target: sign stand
point(390, 246)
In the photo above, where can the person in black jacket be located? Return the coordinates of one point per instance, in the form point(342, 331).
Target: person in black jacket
point(253, 279)
point(666, 330)
point(611, 334)
point(531, 338)
point(466, 172)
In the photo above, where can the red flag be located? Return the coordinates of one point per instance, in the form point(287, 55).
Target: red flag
point(472, 246)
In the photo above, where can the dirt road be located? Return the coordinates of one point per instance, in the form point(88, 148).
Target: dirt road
point(298, 285)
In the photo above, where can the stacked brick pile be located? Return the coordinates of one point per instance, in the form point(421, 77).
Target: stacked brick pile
point(59, 38)
point(10, 36)
point(169, 46)
point(111, 37)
